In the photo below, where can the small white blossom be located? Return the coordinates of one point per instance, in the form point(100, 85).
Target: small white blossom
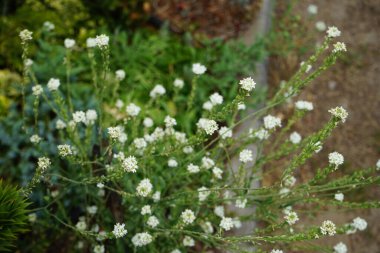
point(237, 223)
point(227, 223)
point(320, 25)
point(90, 42)
point(207, 227)
point(32, 217)
point(295, 138)
point(129, 164)
point(169, 122)
point(53, 84)
point(289, 181)
point(192, 168)
point(25, 35)
point(119, 104)
point(114, 132)
point(207, 163)
point(340, 248)
point(43, 163)
point(312, 9)
point(140, 143)
point(99, 249)
point(328, 228)
point(304, 105)
point(208, 125)
point(339, 196)
point(336, 159)
point(37, 90)
point(179, 83)
point(225, 132)
point(219, 211)
point(246, 156)
point(241, 106)
point(146, 210)
point(216, 99)
point(339, 47)
point(156, 196)
point(175, 251)
point(359, 223)
point(207, 106)
point(188, 241)
point(187, 216)
point(120, 74)
point(157, 91)
point(340, 113)
point(119, 230)
point(79, 116)
point(203, 193)
point(262, 134)
point(69, 43)
point(172, 163)
point(148, 122)
point(198, 69)
point(291, 218)
point(35, 138)
point(123, 138)
point(284, 191)
point(247, 84)
point(28, 62)
point(144, 188)
point(188, 150)
point(241, 203)
point(141, 239)
point(91, 117)
point(49, 26)
point(271, 122)
point(102, 41)
point(217, 172)
point(133, 110)
point(100, 185)
point(276, 251)
point(333, 32)
point(81, 225)
point(92, 209)
point(64, 150)
point(60, 124)
point(153, 221)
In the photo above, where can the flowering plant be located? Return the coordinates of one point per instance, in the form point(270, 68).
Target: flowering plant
point(123, 178)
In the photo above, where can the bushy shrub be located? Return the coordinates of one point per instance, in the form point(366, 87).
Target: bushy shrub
point(127, 175)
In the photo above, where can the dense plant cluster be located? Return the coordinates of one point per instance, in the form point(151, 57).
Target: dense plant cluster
point(124, 161)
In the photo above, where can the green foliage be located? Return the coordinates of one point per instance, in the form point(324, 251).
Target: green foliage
point(13, 215)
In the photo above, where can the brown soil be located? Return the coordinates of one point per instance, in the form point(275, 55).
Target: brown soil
point(353, 83)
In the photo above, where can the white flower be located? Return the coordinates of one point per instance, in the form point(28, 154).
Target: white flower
point(340, 113)
point(207, 227)
point(340, 248)
point(102, 41)
point(333, 32)
point(312, 9)
point(123, 137)
point(120, 74)
point(192, 168)
point(188, 241)
point(25, 35)
point(28, 62)
point(53, 84)
point(284, 191)
point(339, 196)
point(81, 225)
point(225, 132)
point(336, 159)
point(175, 251)
point(276, 251)
point(271, 122)
point(179, 83)
point(247, 84)
point(188, 150)
point(146, 210)
point(156, 196)
point(119, 230)
point(144, 188)
point(64, 150)
point(241, 106)
point(227, 223)
point(91, 117)
point(35, 138)
point(216, 99)
point(92, 209)
point(304, 105)
point(217, 172)
point(99, 249)
point(245, 156)
point(157, 91)
point(49, 26)
point(320, 25)
point(295, 138)
point(133, 110)
point(140, 143)
point(339, 47)
point(32, 217)
point(60, 124)
point(241, 203)
point(207, 106)
point(141, 239)
point(79, 116)
point(153, 221)
point(207, 163)
point(208, 125)
point(359, 223)
point(169, 122)
point(148, 122)
point(289, 181)
point(219, 211)
point(198, 69)
point(203, 193)
point(237, 223)
point(262, 134)
point(187, 216)
point(69, 43)
point(291, 218)
point(129, 164)
point(172, 163)
point(43, 163)
point(328, 228)
point(90, 42)
point(100, 185)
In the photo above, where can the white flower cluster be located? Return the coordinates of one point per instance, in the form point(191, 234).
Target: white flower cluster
point(339, 47)
point(37, 90)
point(141, 239)
point(129, 164)
point(120, 74)
point(225, 132)
point(25, 35)
point(144, 188)
point(157, 91)
point(226, 223)
point(339, 196)
point(271, 122)
point(172, 163)
point(203, 193)
point(146, 210)
point(69, 43)
point(261, 134)
point(192, 168)
point(336, 159)
point(333, 32)
point(241, 203)
point(340, 248)
point(64, 150)
point(178, 83)
point(198, 69)
point(340, 113)
point(119, 230)
point(49, 26)
point(304, 105)
point(247, 84)
point(53, 84)
point(312, 9)
point(276, 251)
point(187, 216)
point(170, 122)
point(328, 228)
point(153, 221)
point(359, 223)
point(99, 249)
point(246, 156)
point(35, 138)
point(115, 132)
point(291, 218)
point(133, 110)
point(188, 241)
point(43, 163)
point(90, 42)
point(208, 125)
point(216, 99)
point(217, 172)
point(102, 41)
point(295, 138)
